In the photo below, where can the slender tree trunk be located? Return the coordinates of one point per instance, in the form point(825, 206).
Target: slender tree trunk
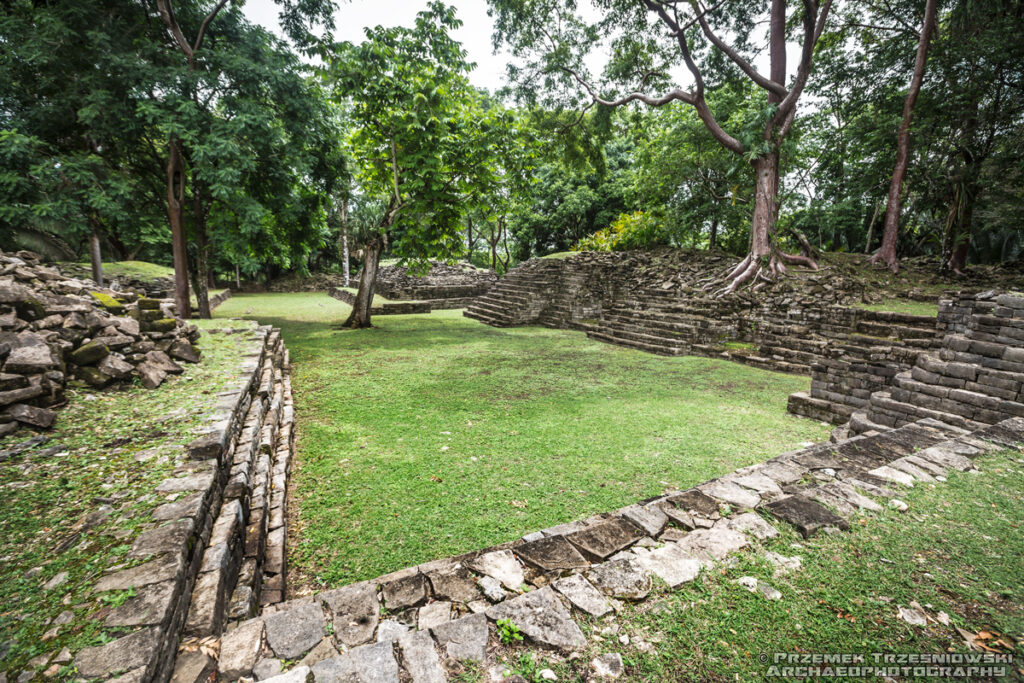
point(344, 242)
point(95, 255)
point(469, 238)
point(504, 243)
point(238, 278)
point(202, 253)
point(713, 237)
point(360, 316)
point(871, 229)
point(957, 237)
point(887, 252)
point(764, 260)
point(175, 214)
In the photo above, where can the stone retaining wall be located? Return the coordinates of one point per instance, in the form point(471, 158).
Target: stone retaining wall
point(418, 623)
point(215, 301)
point(975, 378)
point(214, 514)
point(444, 286)
point(849, 352)
point(391, 308)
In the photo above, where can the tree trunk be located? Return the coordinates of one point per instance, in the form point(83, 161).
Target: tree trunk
point(887, 252)
point(238, 278)
point(202, 254)
point(344, 242)
point(175, 214)
point(713, 237)
point(871, 229)
point(958, 226)
point(469, 239)
point(360, 316)
point(95, 255)
point(764, 261)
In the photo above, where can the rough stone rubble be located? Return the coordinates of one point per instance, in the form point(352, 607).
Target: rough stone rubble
point(55, 329)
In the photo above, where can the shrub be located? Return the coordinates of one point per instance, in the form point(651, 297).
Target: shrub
point(637, 230)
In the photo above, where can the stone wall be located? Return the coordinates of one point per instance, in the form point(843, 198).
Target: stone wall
point(419, 623)
point(443, 286)
point(214, 551)
point(975, 378)
point(635, 300)
point(390, 308)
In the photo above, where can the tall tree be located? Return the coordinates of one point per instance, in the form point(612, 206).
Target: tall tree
point(553, 38)
point(198, 89)
point(419, 143)
point(887, 252)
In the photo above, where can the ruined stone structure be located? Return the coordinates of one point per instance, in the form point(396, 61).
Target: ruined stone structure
point(444, 286)
point(390, 308)
point(413, 624)
point(54, 328)
point(216, 552)
point(805, 328)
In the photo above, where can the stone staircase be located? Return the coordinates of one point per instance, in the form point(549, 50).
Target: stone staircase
point(975, 379)
point(519, 300)
point(849, 352)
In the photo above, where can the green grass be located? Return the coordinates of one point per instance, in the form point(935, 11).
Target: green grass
point(957, 550)
point(433, 435)
point(560, 254)
point(906, 306)
point(143, 270)
point(47, 495)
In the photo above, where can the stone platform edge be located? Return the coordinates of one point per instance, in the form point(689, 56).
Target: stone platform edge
point(414, 623)
point(174, 545)
point(395, 308)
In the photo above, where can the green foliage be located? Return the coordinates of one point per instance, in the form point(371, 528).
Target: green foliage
point(637, 230)
point(508, 632)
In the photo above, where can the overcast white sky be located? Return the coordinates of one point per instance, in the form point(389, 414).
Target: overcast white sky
point(352, 17)
point(475, 34)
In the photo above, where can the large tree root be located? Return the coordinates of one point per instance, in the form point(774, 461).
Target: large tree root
point(757, 272)
point(890, 260)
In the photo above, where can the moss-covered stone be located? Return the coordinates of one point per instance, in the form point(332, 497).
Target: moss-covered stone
point(31, 309)
point(92, 376)
point(162, 325)
point(90, 353)
point(108, 302)
point(147, 304)
point(148, 316)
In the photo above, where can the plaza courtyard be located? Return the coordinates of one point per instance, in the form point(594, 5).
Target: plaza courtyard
point(434, 435)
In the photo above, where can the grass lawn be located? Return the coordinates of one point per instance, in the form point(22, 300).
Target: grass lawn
point(104, 455)
point(956, 551)
point(907, 306)
point(143, 270)
point(432, 435)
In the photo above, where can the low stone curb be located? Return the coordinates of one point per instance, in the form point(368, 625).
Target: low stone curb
point(191, 514)
point(412, 624)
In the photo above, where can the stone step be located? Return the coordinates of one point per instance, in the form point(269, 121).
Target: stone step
point(658, 349)
point(639, 334)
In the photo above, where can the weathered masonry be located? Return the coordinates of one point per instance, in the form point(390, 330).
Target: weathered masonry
point(215, 553)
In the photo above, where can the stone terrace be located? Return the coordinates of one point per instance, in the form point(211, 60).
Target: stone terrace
point(210, 547)
point(418, 623)
point(444, 286)
point(658, 305)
